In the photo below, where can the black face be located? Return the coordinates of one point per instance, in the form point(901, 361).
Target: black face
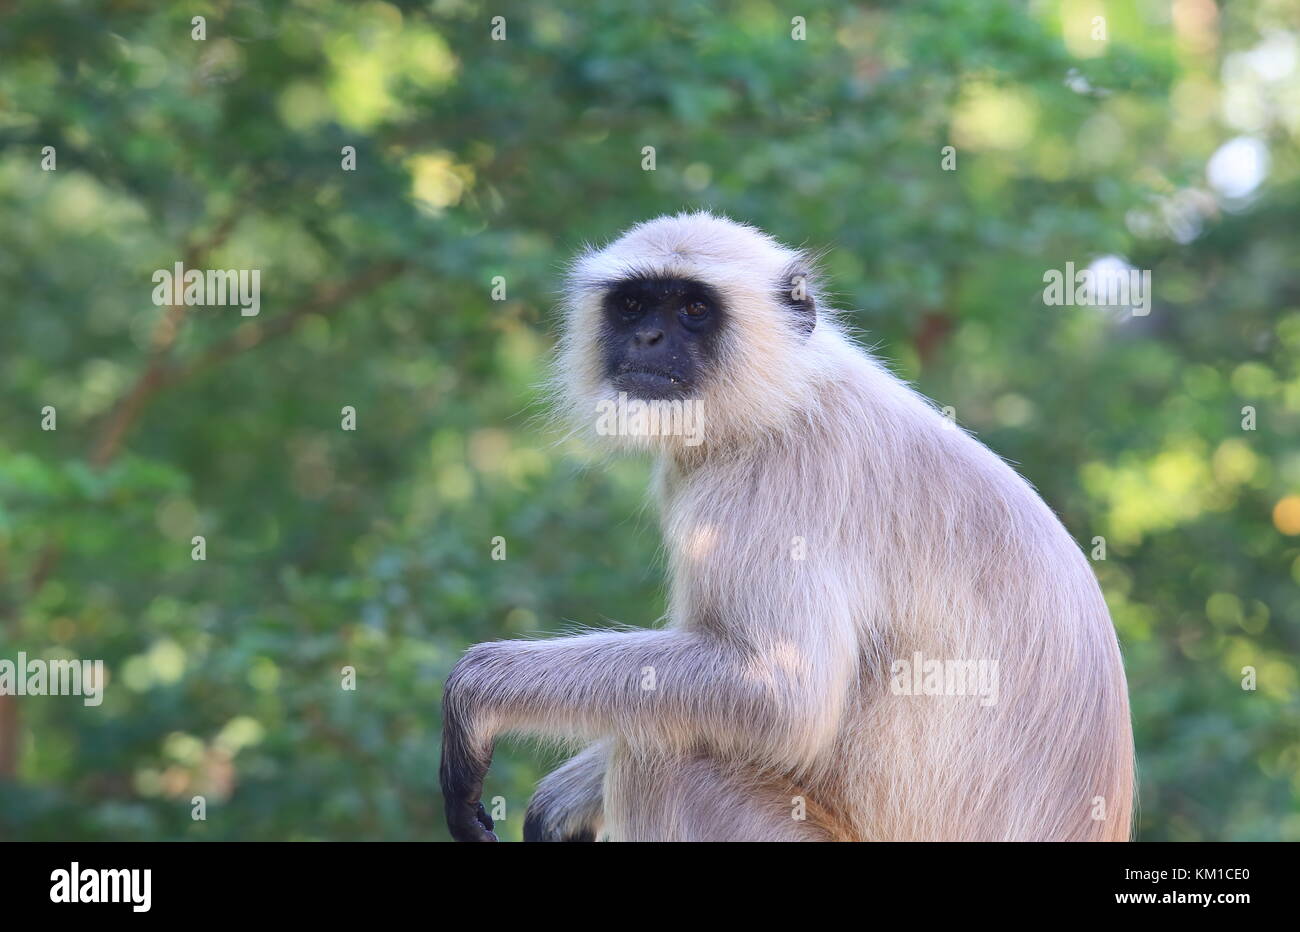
point(660, 335)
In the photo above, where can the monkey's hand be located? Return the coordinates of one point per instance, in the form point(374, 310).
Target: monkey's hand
point(466, 756)
point(569, 803)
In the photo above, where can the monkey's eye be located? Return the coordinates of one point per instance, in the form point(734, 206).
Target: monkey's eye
point(696, 309)
point(631, 306)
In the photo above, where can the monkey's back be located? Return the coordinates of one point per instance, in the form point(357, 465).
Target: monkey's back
point(945, 555)
point(971, 567)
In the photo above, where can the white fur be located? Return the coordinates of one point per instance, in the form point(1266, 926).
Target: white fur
point(773, 673)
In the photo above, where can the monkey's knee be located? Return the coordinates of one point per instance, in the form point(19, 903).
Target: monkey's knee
point(567, 805)
point(702, 800)
point(538, 826)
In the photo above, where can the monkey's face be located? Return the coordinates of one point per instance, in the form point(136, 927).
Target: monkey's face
point(691, 312)
point(659, 335)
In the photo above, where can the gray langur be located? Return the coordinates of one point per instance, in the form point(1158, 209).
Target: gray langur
point(876, 629)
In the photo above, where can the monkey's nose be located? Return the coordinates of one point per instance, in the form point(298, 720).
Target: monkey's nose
point(649, 337)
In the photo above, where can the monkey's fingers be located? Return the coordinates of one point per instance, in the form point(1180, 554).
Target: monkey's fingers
point(469, 822)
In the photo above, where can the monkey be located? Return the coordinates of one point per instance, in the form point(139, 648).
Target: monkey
point(841, 557)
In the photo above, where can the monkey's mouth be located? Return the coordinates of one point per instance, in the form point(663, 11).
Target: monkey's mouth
point(650, 383)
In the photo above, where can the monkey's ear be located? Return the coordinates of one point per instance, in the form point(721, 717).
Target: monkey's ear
point(795, 291)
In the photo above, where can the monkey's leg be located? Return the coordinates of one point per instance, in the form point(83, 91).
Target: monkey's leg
point(773, 696)
point(569, 803)
point(702, 799)
point(670, 689)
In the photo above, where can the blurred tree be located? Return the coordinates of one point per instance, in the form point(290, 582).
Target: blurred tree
point(477, 158)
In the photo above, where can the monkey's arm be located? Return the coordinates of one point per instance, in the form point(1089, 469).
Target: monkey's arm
point(775, 700)
point(569, 801)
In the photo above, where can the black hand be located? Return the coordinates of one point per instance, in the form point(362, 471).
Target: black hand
point(469, 823)
point(462, 787)
point(461, 774)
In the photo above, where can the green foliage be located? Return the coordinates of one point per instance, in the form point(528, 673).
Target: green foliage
point(475, 158)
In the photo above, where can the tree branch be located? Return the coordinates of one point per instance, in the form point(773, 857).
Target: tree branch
point(325, 301)
point(127, 409)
